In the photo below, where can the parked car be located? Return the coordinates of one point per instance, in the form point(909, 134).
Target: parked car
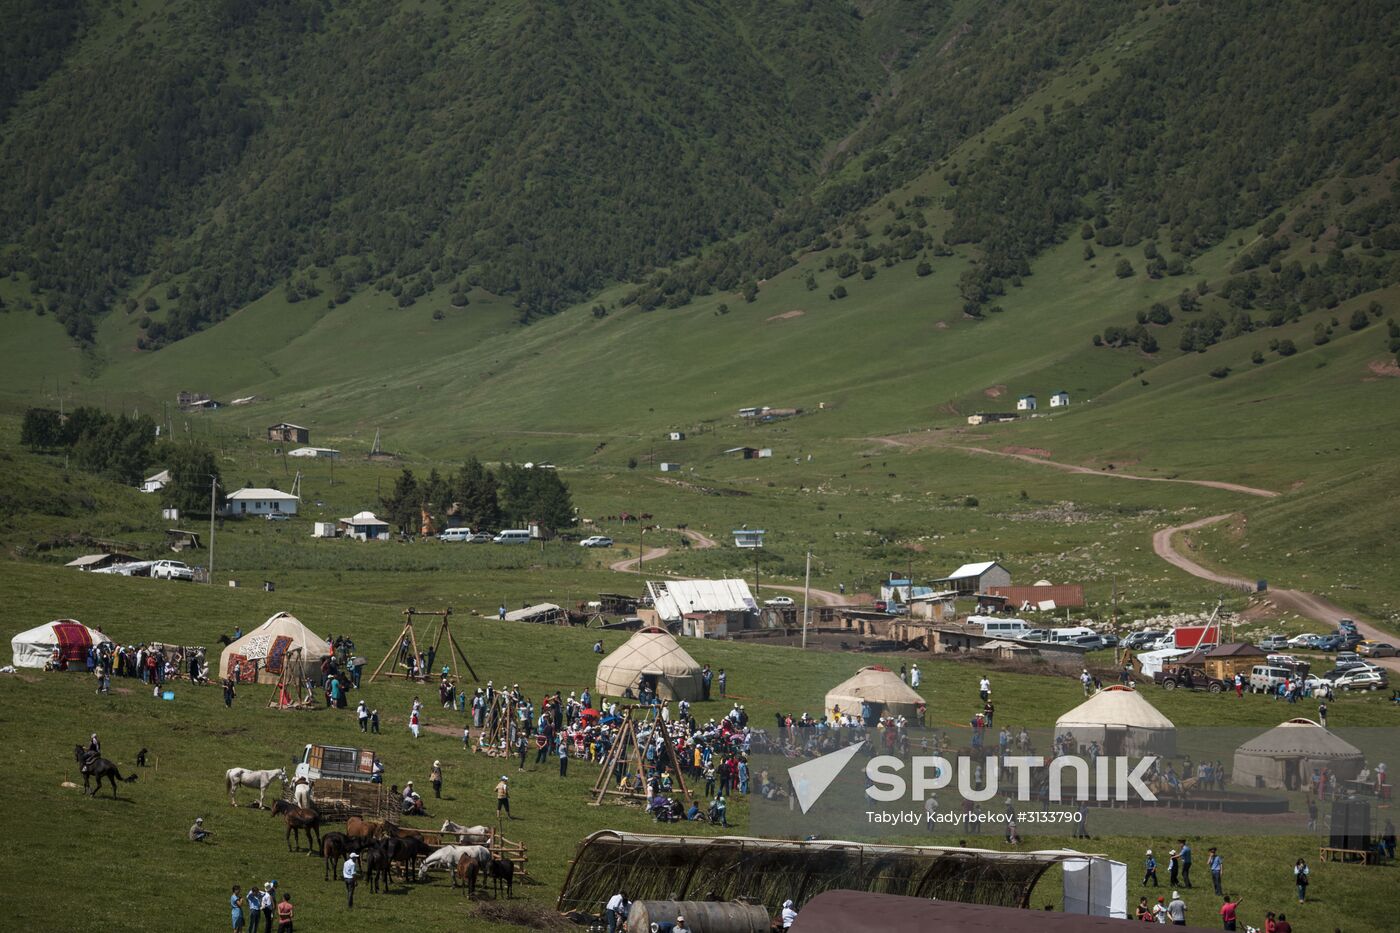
point(1264, 678)
point(171, 570)
point(1375, 649)
point(783, 601)
point(1141, 639)
point(1329, 643)
point(1306, 640)
point(1350, 640)
point(596, 541)
point(1366, 678)
point(1318, 684)
point(480, 537)
point(1346, 626)
point(1036, 634)
point(1287, 660)
point(277, 516)
point(1090, 642)
point(1274, 642)
point(1109, 641)
point(455, 534)
point(1348, 659)
point(1189, 678)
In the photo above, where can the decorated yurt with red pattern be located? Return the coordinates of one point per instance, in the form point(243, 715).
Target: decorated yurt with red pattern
point(64, 641)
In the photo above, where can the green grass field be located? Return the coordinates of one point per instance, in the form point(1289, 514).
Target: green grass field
point(131, 844)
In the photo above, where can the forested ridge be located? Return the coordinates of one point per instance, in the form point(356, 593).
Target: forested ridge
point(544, 150)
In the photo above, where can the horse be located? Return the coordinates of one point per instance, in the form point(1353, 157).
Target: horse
point(301, 793)
point(467, 870)
point(334, 848)
point(246, 777)
point(406, 852)
point(98, 767)
point(502, 870)
point(225, 640)
point(447, 857)
point(298, 821)
point(374, 863)
point(475, 835)
point(358, 828)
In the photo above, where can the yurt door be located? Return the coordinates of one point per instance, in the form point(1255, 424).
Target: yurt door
point(1114, 740)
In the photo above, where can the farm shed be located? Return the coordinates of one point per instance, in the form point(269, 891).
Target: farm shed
point(667, 467)
point(98, 561)
point(1025, 403)
point(364, 526)
point(1123, 723)
point(1060, 399)
point(34, 648)
point(262, 654)
point(770, 871)
point(1025, 598)
point(1285, 756)
point(651, 653)
point(674, 599)
point(321, 453)
point(880, 687)
point(976, 578)
point(541, 613)
point(288, 433)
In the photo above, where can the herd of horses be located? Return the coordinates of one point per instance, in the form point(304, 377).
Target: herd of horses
point(380, 847)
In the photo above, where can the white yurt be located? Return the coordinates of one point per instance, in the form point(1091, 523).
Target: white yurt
point(1285, 756)
point(880, 687)
point(1123, 723)
point(35, 647)
point(262, 654)
point(654, 655)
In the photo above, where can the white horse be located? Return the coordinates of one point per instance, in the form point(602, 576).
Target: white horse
point(476, 835)
point(447, 857)
point(301, 793)
point(245, 777)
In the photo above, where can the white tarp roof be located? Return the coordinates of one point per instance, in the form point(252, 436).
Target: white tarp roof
point(34, 648)
point(674, 598)
point(971, 570)
point(529, 612)
point(365, 518)
point(261, 493)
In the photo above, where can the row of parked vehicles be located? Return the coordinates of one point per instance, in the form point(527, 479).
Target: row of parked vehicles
point(510, 536)
point(1350, 671)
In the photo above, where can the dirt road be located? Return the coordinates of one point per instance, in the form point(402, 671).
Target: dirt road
point(904, 441)
point(1310, 605)
point(700, 542)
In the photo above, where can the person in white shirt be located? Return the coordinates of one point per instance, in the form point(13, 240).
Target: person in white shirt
point(362, 713)
point(349, 872)
point(615, 913)
point(984, 689)
point(789, 915)
point(915, 677)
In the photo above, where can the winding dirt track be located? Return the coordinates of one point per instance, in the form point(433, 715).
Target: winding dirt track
point(897, 441)
point(700, 541)
point(1310, 605)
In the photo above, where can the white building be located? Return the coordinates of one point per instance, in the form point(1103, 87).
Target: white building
point(683, 601)
point(1060, 399)
point(323, 453)
point(677, 435)
point(1025, 403)
point(975, 578)
point(156, 483)
point(364, 526)
point(670, 468)
point(256, 501)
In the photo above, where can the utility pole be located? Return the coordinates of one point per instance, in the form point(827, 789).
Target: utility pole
point(806, 592)
point(641, 546)
point(755, 574)
point(213, 494)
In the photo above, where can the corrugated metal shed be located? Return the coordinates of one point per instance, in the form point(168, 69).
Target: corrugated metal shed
point(674, 598)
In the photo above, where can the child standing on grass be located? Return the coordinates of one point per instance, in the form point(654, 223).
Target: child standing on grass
point(284, 915)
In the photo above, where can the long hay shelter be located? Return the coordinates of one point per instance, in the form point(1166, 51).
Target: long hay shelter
point(770, 871)
point(654, 659)
point(1284, 756)
point(1123, 723)
point(280, 645)
point(878, 686)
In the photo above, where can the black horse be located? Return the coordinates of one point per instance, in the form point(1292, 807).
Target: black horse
point(95, 766)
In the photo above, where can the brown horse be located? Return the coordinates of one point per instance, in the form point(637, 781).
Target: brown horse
point(467, 870)
point(357, 828)
point(502, 870)
point(299, 821)
point(334, 848)
point(95, 766)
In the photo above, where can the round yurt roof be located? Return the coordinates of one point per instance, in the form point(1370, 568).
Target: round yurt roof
point(1300, 738)
point(280, 635)
point(34, 647)
point(1116, 705)
point(877, 684)
point(650, 651)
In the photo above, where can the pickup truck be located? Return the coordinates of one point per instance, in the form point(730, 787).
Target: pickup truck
point(336, 761)
point(1189, 678)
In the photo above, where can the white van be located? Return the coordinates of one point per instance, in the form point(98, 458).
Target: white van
point(512, 536)
point(1009, 628)
point(455, 534)
point(1070, 634)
